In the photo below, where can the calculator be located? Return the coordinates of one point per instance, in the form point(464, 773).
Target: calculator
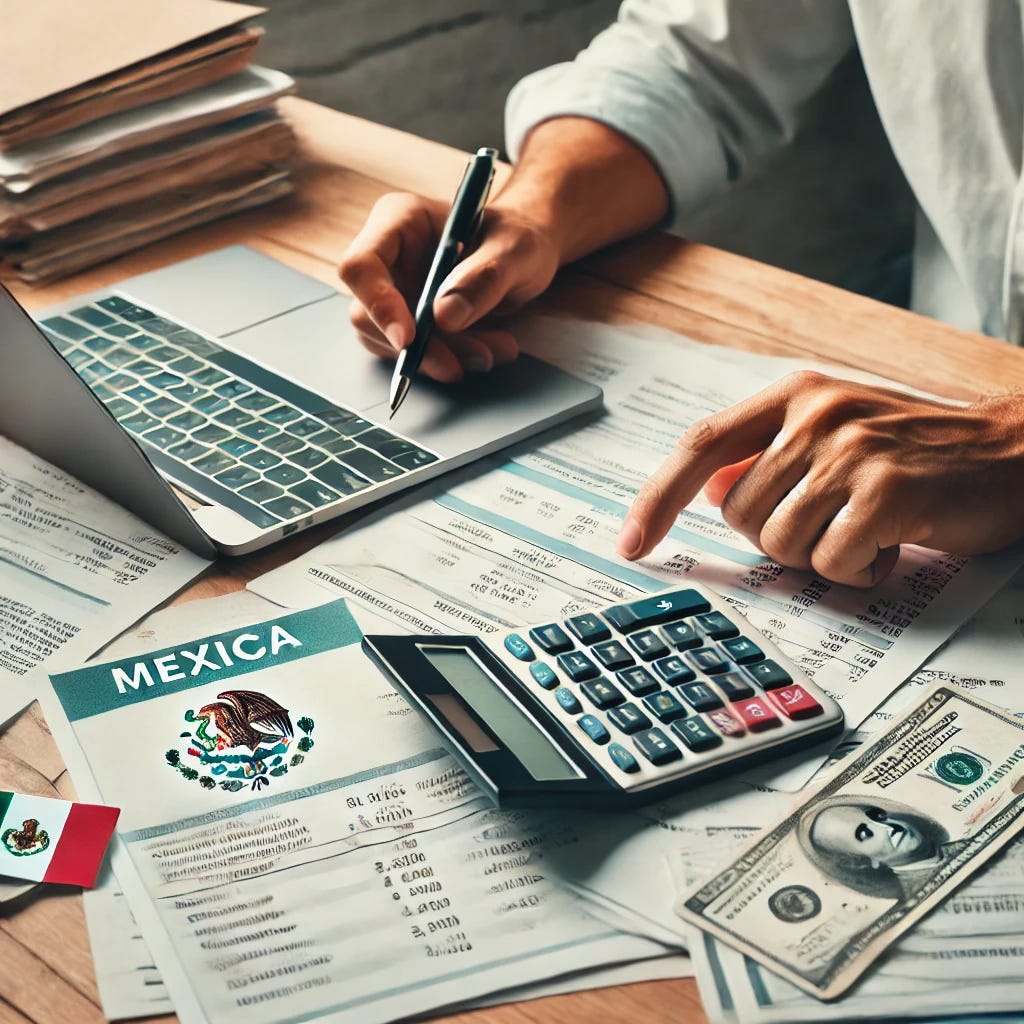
point(613, 707)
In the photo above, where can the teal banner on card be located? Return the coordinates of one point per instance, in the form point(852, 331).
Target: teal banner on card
point(286, 638)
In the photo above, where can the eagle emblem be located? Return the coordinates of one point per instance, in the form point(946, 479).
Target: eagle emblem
point(242, 738)
point(28, 839)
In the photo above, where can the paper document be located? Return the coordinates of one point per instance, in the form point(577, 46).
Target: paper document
point(75, 570)
point(293, 842)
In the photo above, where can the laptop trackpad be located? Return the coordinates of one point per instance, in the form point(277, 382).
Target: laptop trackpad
point(317, 347)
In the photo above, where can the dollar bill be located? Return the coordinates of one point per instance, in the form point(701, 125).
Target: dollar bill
point(825, 891)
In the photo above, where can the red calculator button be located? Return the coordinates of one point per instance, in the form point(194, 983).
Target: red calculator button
point(755, 714)
point(795, 702)
point(726, 723)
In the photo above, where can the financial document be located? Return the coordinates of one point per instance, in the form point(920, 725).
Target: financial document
point(75, 570)
point(294, 845)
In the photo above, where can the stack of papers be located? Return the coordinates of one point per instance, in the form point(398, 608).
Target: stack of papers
point(123, 121)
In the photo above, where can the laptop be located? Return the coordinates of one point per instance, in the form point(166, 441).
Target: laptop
point(227, 402)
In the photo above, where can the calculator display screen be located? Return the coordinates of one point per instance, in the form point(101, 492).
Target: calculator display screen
point(522, 737)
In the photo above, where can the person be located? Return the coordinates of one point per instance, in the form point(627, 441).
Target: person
point(667, 107)
point(876, 846)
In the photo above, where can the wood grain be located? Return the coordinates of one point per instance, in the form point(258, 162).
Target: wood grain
point(712, 296)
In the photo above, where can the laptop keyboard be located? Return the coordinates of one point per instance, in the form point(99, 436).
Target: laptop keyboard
point(225, 427)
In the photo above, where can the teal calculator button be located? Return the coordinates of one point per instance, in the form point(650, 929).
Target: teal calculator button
point(742, 650)
point(568, 701)
point(544, 675)
point(623, 759)
point(518, 647)
point(696, 735)
point(594, 728)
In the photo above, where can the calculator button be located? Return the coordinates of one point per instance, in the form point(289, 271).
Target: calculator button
point(741, 650)
point(588, 628)
point(734, 686)
point(622, 758)
point(601, 693)
point(651, 611)
point(551, 638)
point(673, 671)
point(756, 715)
point(681, 635)
point(795, 702)
point(699, 696)
point(769, 674)
point(544, 675)
point(594, 728)
point(656, 747)
point(648, 644)
point(518, 647)
point(568, 701)
point(707, 660)
point(727, 724)
point(578, 666)
point(628, 718)
point(716, 626)
point(696, 734)
point(612, 655)
point(665, 706)
point(638, 681)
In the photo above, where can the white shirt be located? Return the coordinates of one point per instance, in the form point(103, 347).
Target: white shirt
point(708, 88)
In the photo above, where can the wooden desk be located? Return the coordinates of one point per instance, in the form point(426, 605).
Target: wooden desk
point(46, 972)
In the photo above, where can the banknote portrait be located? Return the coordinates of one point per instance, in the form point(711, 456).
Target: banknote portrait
point(877, 846)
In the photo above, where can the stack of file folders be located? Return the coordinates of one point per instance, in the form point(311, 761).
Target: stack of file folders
point(124, 121)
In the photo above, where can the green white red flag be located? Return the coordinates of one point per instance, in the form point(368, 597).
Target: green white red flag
point(45, 840)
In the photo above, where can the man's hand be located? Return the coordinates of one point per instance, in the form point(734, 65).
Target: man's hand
point(513, 260)
point(828, 475)
point(578, 186)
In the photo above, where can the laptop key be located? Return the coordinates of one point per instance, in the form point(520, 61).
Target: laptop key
point(414, 459)
point(163, 407)
point(185, 391)
point(284, 443)
point(287, 508)
point(337, 445)
point(114, 303)
point(76, 357)
point(258, 430)
point(189, 451)
point(308, 458)
point(155, 324)
point(237, 476)
point(120, 407)
point(233, 417)
point(378, 436)
point(233, 388)
point(261, 459)
point(282, 414)
point(211, 434)
point(316, 494)
point(370, 465)
point(237, 446)
point(138, 423)
point(98, 345)
point(343, 480)
point(389, 449)
point(256, 401)
point(213, 463)
point(92, 315)
point(122, 307)
point(209, 376)
point(68, 328)
point(285, 475)
point(121, 330)
point(304, 427)
point(142, 368)
point(140, 394)
point(186, 364)
point(261, 492)
point(163, 437)
point(209, 404)
point(141, 342)
point(188, 420)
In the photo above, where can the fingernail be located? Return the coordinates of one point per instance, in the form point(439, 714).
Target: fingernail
point(478, 363)
point(395, 334)
point(629, 539)
point(453, 312)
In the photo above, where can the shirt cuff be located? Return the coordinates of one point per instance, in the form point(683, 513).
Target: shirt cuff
point(650, 110)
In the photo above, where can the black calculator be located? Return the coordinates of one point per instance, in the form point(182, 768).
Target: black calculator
point(613, 707)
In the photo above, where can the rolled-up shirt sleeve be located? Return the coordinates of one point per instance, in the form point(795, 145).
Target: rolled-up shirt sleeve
point(705, 87)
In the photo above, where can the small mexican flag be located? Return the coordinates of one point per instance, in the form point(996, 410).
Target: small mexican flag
point(53, 840)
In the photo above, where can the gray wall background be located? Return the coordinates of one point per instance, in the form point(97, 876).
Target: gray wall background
point(832, 205)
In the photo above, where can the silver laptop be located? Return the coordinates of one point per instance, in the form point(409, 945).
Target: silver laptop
point(160, 393)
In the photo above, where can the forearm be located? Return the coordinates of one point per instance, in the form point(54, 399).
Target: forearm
point(586, 184)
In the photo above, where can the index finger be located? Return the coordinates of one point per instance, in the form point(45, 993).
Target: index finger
point(719, 440)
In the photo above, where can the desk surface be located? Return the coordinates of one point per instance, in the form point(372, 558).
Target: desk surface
point(45, 968)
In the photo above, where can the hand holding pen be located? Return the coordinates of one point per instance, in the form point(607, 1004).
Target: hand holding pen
point(511, 260)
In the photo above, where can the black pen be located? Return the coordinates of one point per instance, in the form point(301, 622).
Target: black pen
point(467, 208)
